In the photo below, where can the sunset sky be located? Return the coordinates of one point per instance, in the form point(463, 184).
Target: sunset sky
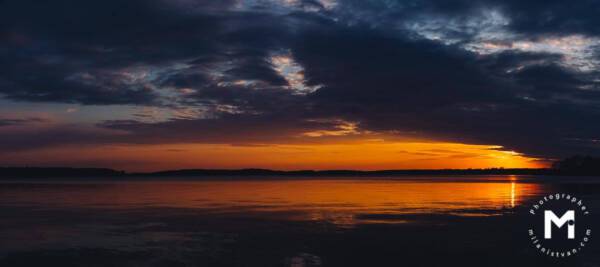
point(298, 84)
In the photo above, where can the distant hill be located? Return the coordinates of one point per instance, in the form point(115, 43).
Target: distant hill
point(57, 172)
point(576, 166)
point(50, 173)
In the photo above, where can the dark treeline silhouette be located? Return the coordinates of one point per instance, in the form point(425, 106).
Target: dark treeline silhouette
point(57, 172)
point(576, 166)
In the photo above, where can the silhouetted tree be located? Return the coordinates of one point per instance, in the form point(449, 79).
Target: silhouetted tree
point(578, 165)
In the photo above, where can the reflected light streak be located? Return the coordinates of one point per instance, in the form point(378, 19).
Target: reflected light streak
point(512, 194)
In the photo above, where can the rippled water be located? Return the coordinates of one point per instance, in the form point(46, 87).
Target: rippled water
point(337, 200)
point(181, 219)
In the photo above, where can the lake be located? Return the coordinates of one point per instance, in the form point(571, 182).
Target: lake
point(338, 221)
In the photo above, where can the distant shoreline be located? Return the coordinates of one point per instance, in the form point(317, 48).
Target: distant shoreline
point(66, 172)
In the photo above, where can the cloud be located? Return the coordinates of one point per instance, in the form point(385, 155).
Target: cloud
point(522, 75)
point(20, 121)
point(24, 137)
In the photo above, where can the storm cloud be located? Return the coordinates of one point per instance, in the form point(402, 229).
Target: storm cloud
point(519, 74)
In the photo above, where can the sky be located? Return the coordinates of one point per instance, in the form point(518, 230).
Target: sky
point(298, 84)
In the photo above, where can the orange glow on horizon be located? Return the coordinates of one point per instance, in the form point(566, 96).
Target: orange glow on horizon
point(356, 155)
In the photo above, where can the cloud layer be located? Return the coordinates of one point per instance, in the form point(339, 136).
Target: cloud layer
point(519, 74)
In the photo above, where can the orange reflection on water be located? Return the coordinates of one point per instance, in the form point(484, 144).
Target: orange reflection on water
point(337, 201)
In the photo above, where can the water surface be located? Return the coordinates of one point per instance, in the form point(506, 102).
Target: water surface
point(263, 222)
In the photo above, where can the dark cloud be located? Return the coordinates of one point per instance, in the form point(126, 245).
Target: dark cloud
point(539, 16)
point(232, 129)
point(85, 52)
point(18, 122)
point(448, 70)
point(396, 85)
point(375, 71)
point(48, 83)
point(59, 135)
point(532, 17)
point(506, 61)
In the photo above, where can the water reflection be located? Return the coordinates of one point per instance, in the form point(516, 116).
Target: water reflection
point(339, 201)
point(419, 221)
point(513, 185)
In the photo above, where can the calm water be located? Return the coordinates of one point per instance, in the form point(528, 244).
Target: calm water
point(270, 222)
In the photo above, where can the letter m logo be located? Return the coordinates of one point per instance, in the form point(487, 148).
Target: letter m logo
point(551, 218)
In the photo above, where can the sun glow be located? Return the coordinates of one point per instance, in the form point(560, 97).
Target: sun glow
point(372, 154)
